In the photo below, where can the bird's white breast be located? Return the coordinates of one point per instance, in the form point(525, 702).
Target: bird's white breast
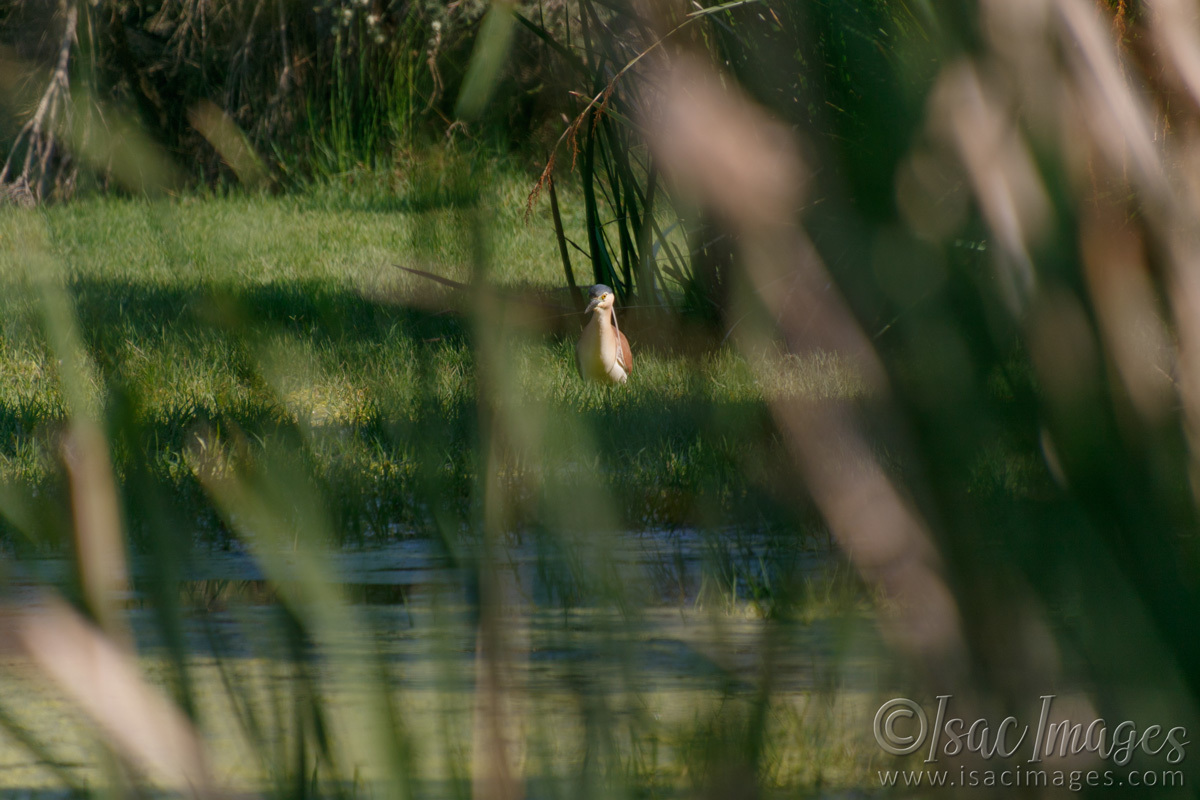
point(597, 350)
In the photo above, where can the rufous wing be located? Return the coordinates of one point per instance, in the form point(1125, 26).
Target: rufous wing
point(625, 354)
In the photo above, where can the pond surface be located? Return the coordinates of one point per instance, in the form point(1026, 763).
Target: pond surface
point(636, 666)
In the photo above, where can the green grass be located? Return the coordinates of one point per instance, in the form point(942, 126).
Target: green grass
point(221, 327)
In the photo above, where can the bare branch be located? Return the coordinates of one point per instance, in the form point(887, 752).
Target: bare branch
point(39, 136)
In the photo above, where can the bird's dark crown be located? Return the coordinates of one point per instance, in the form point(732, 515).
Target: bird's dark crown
point(598, 290)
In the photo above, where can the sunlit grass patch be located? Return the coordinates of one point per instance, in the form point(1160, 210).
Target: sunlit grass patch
point(221, 323)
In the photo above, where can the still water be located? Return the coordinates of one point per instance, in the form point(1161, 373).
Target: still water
point(631, 667)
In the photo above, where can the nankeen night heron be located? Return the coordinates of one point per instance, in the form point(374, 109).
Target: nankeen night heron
point(602, 353)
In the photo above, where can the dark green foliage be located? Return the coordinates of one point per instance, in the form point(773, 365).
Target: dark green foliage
point(318, 89)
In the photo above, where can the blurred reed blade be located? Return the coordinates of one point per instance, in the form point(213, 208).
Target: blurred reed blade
point(487, 60)
point(104, 680)
point(700, 130)
point(1001, 170)
point(99, 533)
point(99, 543)
point(1129, 315)
point(1108, 99)
point(287, 531)
point(1174, 27)
point(115, 144)
point(228, 139)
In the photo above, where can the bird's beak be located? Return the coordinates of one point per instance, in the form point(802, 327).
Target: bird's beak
point(592, 305)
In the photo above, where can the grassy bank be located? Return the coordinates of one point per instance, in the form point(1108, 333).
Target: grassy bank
point(219, 328)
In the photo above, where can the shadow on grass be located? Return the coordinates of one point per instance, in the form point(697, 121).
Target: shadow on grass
point(112, 310)
point(404, 455)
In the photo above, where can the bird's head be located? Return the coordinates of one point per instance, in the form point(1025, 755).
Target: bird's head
point(600, 297)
